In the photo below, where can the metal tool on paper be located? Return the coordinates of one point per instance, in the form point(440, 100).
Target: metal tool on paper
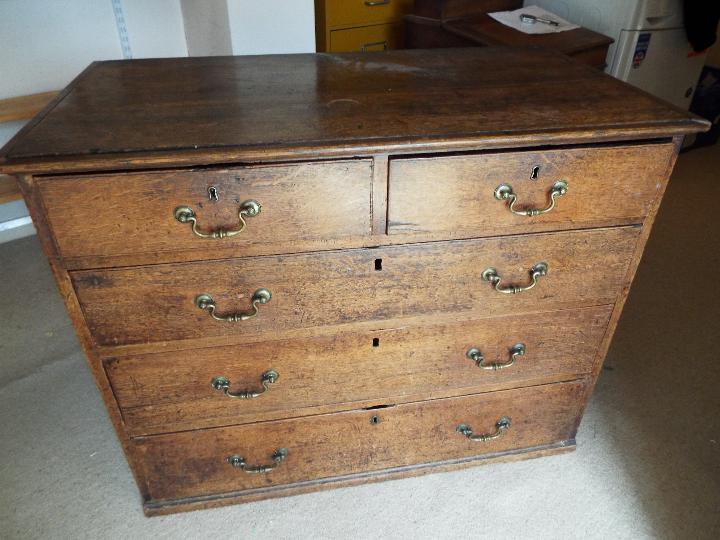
point(532, 19)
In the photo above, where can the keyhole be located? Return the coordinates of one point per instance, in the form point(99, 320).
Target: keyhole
point(374, 420)
point(535, 172)
point(376, 342)
point(213, 194)
point(378, 264)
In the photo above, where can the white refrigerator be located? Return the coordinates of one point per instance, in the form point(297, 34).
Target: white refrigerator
point(651, 50)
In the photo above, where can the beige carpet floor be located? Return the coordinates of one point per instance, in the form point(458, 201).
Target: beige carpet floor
point(647, 463)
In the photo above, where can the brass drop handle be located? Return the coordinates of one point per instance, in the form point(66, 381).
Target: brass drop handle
point(476, 356)
point(261, 296)
point(501, 426)
point(504, 192)
point(238, 462)
point(185, 214)
point(537, 271)
point(222, 384)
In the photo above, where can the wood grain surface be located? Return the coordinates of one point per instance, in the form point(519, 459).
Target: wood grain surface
point(172, 392)
point(24, 107)
point(193, 463)
point(453, 197)
point(260, 107)
point(335, 289)
point(487, 31)
point(316, 204)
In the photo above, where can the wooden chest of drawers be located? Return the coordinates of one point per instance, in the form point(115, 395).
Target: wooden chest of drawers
point(296, 272)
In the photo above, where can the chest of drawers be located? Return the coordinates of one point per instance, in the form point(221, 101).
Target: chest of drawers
point(296, 272)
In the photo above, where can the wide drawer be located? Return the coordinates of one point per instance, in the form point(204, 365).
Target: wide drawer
point(454, 197)
point(420, 283)
point(195, 463)
point(357, 12)
point(167, 392)
point(378, 37)
point(302, 206)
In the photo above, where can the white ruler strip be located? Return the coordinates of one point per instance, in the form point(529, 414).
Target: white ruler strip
point(122, 29)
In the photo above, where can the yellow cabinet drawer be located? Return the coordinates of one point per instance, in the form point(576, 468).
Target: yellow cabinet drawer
point(356, 12)
point(378, 37)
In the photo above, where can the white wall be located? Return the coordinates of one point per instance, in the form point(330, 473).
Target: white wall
point(155, 28)
point(272, 26)
point(207, 29)
point(45, 43)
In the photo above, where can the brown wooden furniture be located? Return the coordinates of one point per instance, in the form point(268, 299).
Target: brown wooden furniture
point(12, 110)
point(360, 25)
point(363, 332)
point(462, 23)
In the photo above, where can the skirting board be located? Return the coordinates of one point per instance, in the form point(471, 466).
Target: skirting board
point(16, 228)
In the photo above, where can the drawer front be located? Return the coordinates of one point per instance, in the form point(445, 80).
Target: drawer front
point(454, 197)
point(194, 463)
point(305, 202)
point(358, 12)
point(378, 37)
point(415, 283)
point(168, 392)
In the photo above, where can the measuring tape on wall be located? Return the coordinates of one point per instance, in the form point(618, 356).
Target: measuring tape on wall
point(122, 29)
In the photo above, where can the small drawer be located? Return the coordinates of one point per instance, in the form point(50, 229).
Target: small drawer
point(165, 392)
point(273, 297)
point(309, 204)
point(461, 196)
point(378, 37)
point(364, 12)
point(198, 463)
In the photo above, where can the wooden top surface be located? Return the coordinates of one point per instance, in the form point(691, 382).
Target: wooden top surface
point(484, 29)
point(122, 114)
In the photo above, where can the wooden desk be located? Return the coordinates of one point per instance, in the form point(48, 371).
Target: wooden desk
point(582, 44)
point(464, 23)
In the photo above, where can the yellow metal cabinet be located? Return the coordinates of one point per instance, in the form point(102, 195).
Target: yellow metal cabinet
point(360, 25)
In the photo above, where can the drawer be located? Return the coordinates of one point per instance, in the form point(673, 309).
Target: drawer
point(420, 283)
point(454, 197)
point(299, 203)
point(167, 392)
point(194, 463)
point(378, 37)
point(363, 12)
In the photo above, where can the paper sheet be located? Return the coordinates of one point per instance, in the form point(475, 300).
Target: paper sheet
point(512, 19)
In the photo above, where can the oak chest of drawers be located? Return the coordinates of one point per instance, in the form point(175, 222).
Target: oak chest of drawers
point(297, 272)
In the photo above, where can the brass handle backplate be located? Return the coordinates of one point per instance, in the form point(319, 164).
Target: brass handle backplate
point(185, 214)
point(205, 301)
point(222, 384)
point(239, 462)
point(537, 271)
point(476, 356)
point(501, 426)
point(504, 192)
